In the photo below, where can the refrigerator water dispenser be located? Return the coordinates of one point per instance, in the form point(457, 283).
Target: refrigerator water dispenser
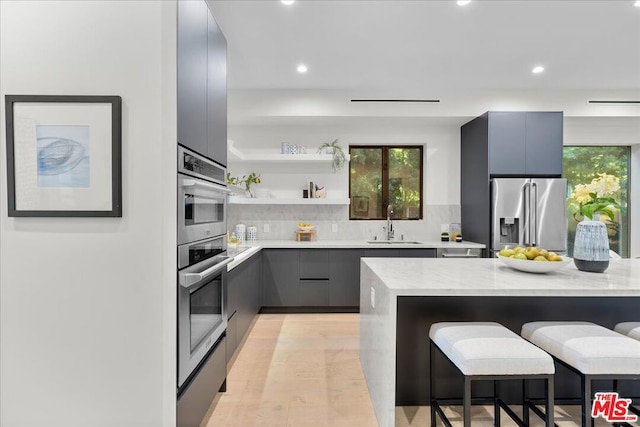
point(509, 230)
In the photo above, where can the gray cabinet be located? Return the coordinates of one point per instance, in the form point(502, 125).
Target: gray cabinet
point(217, 93)
point(544, 143)
point(192, 59)
point(280, 277)
point(249, 293)
point(524, 143)
point(195, 400)
point(314, 264)
point(320, 278)
point(507, 143)
point(243, 300)
point(201, 81)
point(344, 277)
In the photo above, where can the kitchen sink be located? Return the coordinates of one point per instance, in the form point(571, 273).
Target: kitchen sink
point(390, 242)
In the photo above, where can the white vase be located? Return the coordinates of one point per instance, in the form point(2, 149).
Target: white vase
point(591, 247)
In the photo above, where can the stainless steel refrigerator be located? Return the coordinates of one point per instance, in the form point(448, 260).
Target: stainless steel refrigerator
point(529, 212)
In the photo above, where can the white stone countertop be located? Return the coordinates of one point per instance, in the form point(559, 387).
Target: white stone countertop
point(363, 244)
point(491, 277)
point(240, 253)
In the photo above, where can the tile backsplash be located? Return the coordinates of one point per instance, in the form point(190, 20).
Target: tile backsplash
point(283, 220)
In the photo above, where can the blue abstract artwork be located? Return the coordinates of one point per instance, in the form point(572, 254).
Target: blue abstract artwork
point(63, 156)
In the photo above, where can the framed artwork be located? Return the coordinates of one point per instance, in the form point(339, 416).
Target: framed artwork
point(64, 156)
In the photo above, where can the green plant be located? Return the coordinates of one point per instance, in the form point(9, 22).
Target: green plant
point(232, 180)
point(253, 178)
point(339, 158)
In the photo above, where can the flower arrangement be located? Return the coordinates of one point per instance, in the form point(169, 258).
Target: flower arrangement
point(597, 196)
point(253, 178)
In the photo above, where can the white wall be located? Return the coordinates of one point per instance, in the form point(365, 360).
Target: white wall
point(441, 174)
point(87, 305)
point(441, 137)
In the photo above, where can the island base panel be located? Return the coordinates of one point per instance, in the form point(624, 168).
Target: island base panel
point(416, 314)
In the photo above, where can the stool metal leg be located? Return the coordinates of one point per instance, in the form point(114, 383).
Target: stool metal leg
point(525, 402)
point(549, 401)
point(586, 401)
point(496, 405)
point(432, 391)
point(467, 402)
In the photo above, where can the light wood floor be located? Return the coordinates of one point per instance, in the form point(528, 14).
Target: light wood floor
point(304, 370)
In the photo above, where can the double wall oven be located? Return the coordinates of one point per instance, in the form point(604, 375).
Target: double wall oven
point(202, 260)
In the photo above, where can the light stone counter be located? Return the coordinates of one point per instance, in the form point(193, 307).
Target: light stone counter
point(240, 253)
point(362, 244)
point(394, 345)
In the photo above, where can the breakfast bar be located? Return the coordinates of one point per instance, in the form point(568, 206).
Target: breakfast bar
point(401, 298)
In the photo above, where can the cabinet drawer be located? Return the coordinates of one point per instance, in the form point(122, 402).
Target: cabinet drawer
point(195, 400)
point(314, 264)
point(231, 337)
point(313, 293)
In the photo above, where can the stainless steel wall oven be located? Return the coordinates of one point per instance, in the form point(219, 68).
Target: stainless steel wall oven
point(202, 195)
point(202, 314)
point(202, 261)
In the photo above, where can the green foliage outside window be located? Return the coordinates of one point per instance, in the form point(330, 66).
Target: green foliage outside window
point(582, 165)
point(383, 175)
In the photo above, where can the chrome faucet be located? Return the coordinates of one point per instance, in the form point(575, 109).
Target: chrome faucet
point(389, 227)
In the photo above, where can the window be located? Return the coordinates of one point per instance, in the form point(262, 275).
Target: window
point(581, 165)
point(380, 176)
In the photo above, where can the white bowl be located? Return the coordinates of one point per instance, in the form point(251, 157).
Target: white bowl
point(309, 228)
point(535, 266)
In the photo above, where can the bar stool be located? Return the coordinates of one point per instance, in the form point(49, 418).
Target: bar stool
point(591, 351)
point(489, 351)
point(630, 329)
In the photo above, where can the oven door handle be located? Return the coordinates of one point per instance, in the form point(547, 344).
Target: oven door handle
point(187, 280)
point(197, 183)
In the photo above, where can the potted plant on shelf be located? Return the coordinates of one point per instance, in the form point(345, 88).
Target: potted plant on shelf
point(253, 178)
point(333, 147)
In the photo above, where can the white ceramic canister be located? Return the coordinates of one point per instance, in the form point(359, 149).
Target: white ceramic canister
point(252, 234)
point(241, 232)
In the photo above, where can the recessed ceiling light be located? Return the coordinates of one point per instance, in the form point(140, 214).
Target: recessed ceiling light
point(302, 68)
point(537, 69)
point(463, 2)
point(287, 2)
point(637, 3)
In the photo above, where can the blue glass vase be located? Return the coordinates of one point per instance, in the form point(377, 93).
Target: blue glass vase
point(591, 247)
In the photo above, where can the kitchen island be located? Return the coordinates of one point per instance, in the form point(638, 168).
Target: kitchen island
point(401, 298)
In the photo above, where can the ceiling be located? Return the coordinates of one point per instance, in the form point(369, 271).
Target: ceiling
point(471, 58)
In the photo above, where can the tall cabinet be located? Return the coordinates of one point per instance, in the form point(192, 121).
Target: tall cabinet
point(504, 144)
point(202, 82)
point(202, 127)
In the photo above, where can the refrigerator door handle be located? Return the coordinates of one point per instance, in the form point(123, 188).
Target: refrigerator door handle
point(526, 190)
point(533, 208)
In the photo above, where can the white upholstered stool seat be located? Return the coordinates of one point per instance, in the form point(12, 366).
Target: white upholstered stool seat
point(630, 329)
point(488, 348)
point(591, 349)
point(487, 351)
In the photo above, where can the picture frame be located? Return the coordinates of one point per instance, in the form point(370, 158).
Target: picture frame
point(64, 155)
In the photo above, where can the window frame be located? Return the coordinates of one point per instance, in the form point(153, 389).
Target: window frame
point(628, 217)
point(385, 179)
